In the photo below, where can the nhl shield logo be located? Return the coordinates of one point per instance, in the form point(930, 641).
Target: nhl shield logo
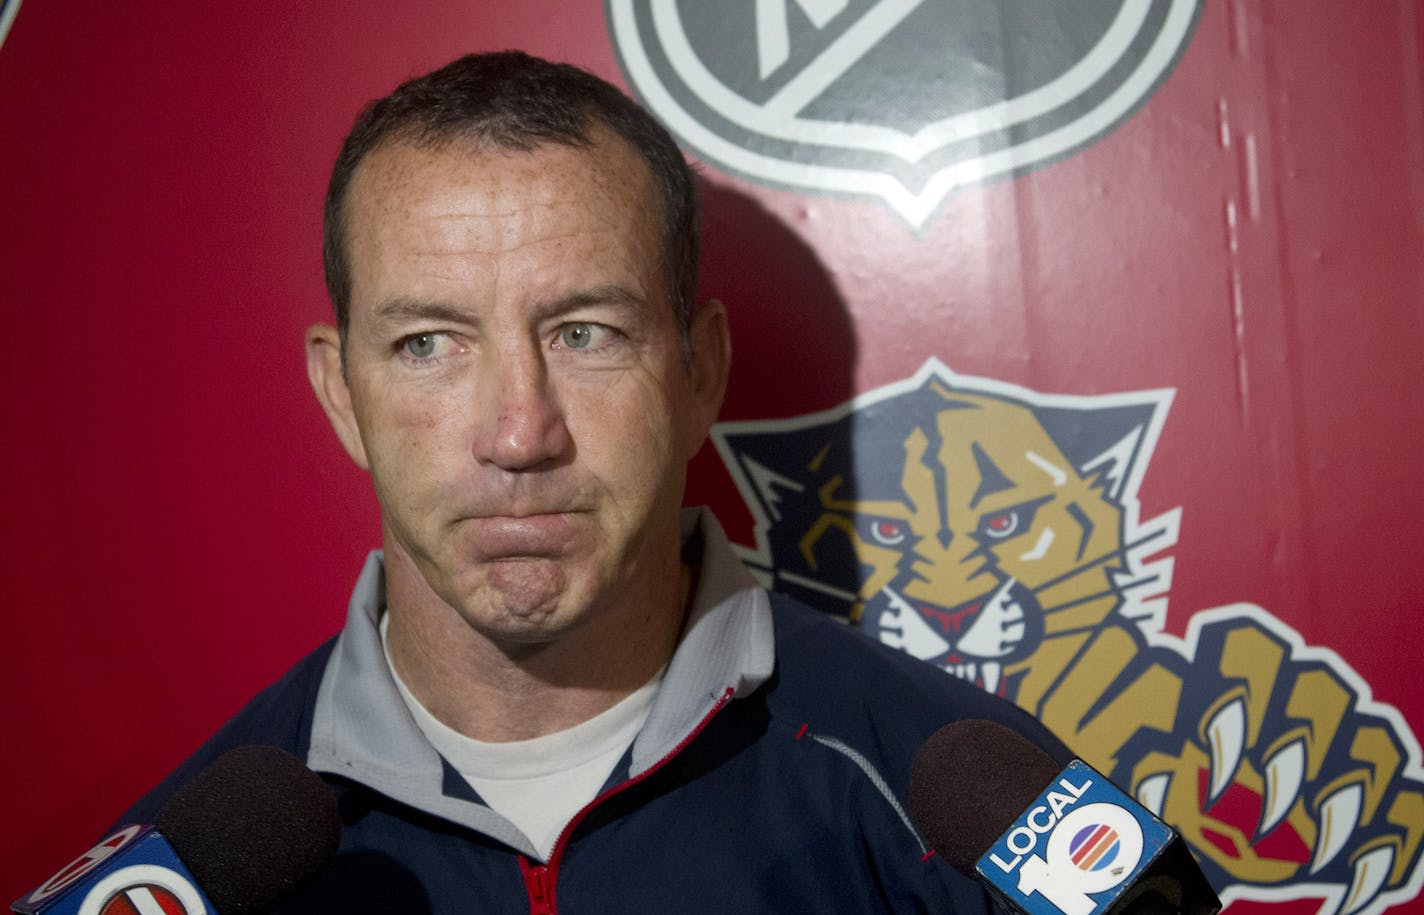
point(899, 100)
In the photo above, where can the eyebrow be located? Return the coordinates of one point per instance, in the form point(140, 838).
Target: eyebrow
point(607, 294)
point(409, 308)
point(406, 308)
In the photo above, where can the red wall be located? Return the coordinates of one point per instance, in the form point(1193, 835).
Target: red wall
point(179, 524)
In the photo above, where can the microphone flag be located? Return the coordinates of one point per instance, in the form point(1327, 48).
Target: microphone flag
point(1085, 848)
point(132, 872)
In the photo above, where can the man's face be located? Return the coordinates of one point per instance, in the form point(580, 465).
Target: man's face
point(515, 383)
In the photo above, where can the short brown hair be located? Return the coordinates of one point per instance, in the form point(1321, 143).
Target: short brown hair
point(511, 100)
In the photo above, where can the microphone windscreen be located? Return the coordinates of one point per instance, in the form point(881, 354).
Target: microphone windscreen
point(968, 784)
point(251, 827)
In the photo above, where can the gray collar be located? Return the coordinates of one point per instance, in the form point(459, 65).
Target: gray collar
point(362, 730)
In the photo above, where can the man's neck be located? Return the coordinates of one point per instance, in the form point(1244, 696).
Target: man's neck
point(499, 692)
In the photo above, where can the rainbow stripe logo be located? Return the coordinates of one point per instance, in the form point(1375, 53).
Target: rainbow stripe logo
point(1094, 847)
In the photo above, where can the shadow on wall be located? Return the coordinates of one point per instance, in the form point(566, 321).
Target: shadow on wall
point(794, 347)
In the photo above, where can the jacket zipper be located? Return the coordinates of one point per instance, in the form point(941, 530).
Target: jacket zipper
point(539, 885)
point(540, 879)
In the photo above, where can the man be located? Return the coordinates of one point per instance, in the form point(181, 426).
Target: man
point(556, 690)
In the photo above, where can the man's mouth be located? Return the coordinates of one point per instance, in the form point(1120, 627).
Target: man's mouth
point(531, 535)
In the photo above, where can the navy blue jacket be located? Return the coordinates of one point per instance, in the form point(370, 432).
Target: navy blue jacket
point(785, 793)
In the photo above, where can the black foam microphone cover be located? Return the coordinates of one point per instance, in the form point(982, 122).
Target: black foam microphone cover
point(252, 827)
point(969, 782)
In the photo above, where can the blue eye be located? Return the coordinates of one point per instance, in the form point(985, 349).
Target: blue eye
point(576, 336)
point(420, 346)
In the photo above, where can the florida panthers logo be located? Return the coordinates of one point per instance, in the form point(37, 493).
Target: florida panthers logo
point(969, 526)
point(996, 532)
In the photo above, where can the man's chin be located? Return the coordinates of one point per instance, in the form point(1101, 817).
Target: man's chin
point(521, 601)
point(526, 588)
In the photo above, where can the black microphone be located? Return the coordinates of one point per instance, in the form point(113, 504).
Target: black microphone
point(239, 837)
point(1045, 839)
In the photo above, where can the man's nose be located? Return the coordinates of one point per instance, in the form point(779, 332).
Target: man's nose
point(520, 425)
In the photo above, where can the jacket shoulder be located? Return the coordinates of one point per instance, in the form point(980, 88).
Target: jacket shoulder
point(840, 681)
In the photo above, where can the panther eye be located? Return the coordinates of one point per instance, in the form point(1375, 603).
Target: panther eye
point(1001, 525)
point(1004, 523)
point(888, 533)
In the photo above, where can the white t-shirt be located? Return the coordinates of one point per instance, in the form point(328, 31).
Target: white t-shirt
point(539, 784)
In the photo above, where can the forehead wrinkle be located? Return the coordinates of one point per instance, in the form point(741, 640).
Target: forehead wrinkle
point(509, 229)
point(461, 218)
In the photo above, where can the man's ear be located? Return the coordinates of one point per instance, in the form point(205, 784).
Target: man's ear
point(710, 360)
point(329, 383)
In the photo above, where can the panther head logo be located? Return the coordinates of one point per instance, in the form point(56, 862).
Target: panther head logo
point(969, 523)
point(996, 532)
